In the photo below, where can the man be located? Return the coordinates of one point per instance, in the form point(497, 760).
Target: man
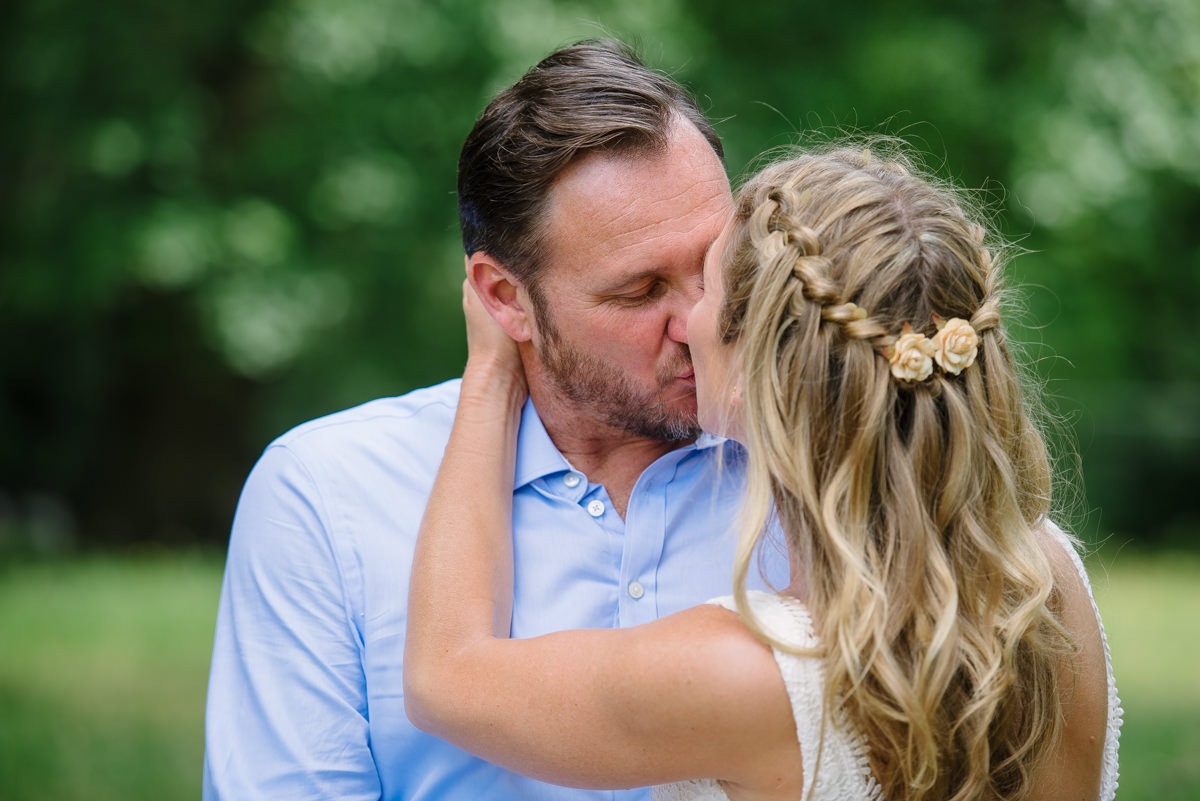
point(588, 195)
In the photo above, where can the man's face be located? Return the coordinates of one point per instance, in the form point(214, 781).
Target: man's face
point(626, 239)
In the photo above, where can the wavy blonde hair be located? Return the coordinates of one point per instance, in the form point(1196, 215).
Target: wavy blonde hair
point(911, 509)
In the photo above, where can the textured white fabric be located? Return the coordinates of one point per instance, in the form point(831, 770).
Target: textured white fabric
point(695, 790)
point(844, 770)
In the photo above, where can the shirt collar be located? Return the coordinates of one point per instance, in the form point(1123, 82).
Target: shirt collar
point(537, 456)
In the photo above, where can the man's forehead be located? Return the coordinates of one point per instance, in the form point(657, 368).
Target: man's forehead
point(632, 256)
point(618, 219)
point(623, 171)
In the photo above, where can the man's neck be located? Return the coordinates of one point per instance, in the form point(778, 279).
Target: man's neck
point(606, 455)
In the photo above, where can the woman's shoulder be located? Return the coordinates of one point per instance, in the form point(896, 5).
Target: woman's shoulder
point(1062, 550)
point(1078, 605)
point(716, 656)
point(717, 630)
point(744, 701)
point(1075, 604)
point(708, 652)
point(1091, 709)
point(831, 742)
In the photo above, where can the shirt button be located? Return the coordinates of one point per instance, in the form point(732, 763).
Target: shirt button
point(636, 590)
point(595, 508)
point(572, 480)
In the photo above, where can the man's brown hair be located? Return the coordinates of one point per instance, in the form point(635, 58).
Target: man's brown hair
point(596, 95)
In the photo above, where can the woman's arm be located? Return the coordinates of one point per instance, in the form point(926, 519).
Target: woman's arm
point(461, 587)
point(462, 569)
point(692, 695)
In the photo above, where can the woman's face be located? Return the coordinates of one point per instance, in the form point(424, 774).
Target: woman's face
point(716, 363)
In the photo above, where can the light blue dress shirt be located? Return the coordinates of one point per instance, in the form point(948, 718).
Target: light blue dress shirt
point(305, 697)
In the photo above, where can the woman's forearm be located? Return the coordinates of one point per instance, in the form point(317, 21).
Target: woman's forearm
point(461, 586)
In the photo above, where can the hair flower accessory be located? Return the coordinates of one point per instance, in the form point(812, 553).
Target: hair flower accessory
point(911, 356)
point(956, 344)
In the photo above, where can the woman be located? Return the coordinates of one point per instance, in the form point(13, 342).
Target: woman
point(938, 640)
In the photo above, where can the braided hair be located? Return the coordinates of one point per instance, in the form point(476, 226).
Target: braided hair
point(912, 506)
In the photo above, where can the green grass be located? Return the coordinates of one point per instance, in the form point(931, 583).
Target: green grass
point(103, 666)
point(103, 669)
point(1151, 606)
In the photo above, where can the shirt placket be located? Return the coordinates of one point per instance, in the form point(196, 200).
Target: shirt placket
point(645, 522)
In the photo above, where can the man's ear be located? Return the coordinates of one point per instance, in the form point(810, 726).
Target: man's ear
point(502, 295)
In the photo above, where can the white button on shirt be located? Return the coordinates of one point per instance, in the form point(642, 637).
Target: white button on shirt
point(595, 508)
point(636, 590)
point(572, 480)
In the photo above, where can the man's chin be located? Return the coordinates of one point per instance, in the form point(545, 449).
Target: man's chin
point(666, 413)
point(681, 423)
point(684, 413)
point(682, 406)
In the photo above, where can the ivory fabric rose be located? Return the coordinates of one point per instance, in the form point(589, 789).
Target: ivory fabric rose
point(911, 356)
point(956, 345)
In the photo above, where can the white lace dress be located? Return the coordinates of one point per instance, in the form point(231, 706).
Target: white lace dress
point(845, 772)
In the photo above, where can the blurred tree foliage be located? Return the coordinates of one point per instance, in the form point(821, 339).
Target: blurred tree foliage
point(220, 219)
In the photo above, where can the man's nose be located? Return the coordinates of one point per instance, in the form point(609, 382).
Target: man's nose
point(681, 307)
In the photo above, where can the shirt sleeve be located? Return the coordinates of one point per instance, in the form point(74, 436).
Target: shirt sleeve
point(287, 709)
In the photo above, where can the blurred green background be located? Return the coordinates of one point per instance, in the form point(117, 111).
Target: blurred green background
point(220, 219)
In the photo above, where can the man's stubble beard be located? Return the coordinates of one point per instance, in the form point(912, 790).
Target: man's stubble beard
point(599, 386)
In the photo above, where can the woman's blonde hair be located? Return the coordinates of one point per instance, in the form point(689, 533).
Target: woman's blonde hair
point(911, 507)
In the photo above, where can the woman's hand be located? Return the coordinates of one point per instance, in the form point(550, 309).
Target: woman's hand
point(493, 362)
